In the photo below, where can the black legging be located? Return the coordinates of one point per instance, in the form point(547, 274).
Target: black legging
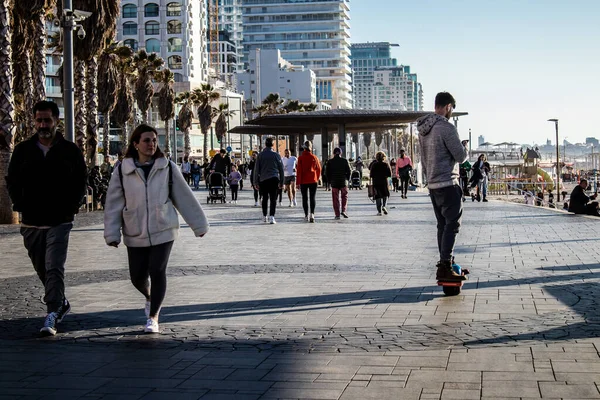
point(404, 179)
point(150, 262)
point(268, 191)
point(304, 189)
point(234, 192)
point(255, 193)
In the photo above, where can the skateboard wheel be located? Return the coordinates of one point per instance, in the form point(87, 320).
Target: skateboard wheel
point(451, 290)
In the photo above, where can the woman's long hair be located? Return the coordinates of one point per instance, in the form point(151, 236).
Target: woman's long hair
point(380, 156)
point(136, 135)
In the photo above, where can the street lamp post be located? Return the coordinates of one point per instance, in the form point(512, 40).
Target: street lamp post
point(557, 159)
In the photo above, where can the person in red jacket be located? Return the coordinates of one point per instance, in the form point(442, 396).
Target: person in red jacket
point(308, 171)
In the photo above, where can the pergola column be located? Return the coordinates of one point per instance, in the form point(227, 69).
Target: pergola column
point(342, 139)
point(324, 143)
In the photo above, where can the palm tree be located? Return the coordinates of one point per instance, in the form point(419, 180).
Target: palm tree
point(146, 65)
point(185, 118)
point(22, 85)
point(6, 109)
point(166, 104)
point(367, 142)
point(108, 89)
point(273, 102)
point(222, 114)
point(378, 139)
point(123, 111)
point(204, 96)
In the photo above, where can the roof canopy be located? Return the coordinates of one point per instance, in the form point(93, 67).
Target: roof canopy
point(355, 121)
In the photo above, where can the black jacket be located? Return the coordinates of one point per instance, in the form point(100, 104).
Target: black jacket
point(46, 190)
point(380, 171)
point(578, 201)
point(221, 164)
point(337, 172)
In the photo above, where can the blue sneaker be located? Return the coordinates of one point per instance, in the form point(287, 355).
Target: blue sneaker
point(49, 327)
point(63, 311)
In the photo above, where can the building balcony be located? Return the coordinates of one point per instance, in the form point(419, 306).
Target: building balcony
point(54, 90)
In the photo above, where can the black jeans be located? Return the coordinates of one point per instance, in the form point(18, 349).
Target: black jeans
point(268, 191)
point(234, 191)
point(404, 179)
point(255, 194)
point(47, 249)
point(380, 202)
point(305, 189)
point(150, 262)
point(447, 205)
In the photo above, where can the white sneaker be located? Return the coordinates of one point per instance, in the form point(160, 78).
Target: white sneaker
point(280, 203)
point(306, 218)
point(235, 202)
point(151, 326)
point(265, 219)
point(290, 204)
point(272, 220)
point(311, 218)
point(147, 309)
point(379, 214)
point(294, 202)
point(256, 204)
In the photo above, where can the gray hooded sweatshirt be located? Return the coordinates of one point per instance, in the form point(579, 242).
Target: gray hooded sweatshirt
point(441, 151)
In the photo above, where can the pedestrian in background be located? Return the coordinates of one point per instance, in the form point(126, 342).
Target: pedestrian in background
point(338, 174)
point(186, 169)
point(289, 168)
point(196, 171)
point(46, 183)
point(268, 178)
point(143, 198)
point(251, 169)
point(234, 180)
point(308, 173)
point(403, 168)
point(380, 172)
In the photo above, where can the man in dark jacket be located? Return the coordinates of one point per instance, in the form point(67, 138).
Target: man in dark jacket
point(46, 182)
point(221, 163)
point(580, 202)
point(337, 174)
point(268, 178)
point(441, 153)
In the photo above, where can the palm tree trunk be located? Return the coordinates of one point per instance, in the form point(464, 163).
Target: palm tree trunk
point(187, 147)
point(124, 138)
point(80, 109)
point(92, 111)
point(28, 125)
point(106, 134)
point(167, 139)
point(205, 146)
point(6, 112)
point(39, 60)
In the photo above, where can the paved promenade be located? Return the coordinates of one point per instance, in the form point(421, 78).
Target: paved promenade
point(343, 309)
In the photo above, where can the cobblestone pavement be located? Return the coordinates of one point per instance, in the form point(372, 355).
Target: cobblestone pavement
point(342, 309)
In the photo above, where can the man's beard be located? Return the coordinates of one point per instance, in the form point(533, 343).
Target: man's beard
point(46, 133)
point(448, 115)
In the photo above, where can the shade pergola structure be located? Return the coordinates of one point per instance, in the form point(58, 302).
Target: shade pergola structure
point(328, 122)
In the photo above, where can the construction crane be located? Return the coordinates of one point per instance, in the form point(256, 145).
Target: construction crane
point(213, 25)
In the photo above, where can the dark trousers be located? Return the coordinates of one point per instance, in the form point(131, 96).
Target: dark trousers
point(395, 182)
point(268, 191)
point(255, 194)
point(234, 191)
point(380, 202)
point(47, 249)
point(150, 262)
point(447, 205)
point(305, 189)
point(404, 184)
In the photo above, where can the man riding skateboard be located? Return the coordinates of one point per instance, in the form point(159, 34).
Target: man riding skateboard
point(441, 153)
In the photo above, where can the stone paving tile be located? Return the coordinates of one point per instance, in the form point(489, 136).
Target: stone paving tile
point(371, 324)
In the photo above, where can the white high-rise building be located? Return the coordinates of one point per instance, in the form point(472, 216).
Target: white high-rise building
point(366, 57)
point(174, 29)
point(395, 88)
point(270, 73)
point(310, 33)
point(230, 21)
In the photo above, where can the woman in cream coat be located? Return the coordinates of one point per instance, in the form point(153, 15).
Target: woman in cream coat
point(143, 194)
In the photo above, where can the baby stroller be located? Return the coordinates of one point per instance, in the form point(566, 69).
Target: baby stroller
point(216, 188)
point(355, 182)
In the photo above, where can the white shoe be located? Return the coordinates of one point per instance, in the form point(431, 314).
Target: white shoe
point(379, 214)
point(280, 204)
point(147, 309)
point(294, 202)
point(151, 326)
point(235, 202)
point(290, 204)
point(311, 218)
point(265, 219)
point(256, 204)
point(272, 220)
point(306, 218)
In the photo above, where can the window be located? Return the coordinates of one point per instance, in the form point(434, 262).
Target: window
point(178, 77)
point(130, 28)
point(129, 11)
point(175, 45)
point(173, 10)
point(152, 46)
point(175, 62)
point(132, 43)
point(151, 10)
point(174, 26)
point(152, 28)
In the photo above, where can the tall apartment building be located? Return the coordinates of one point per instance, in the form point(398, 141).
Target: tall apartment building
point(395, 88)
point(174, 29)
point(230, 21)
point(366, 57)
point(269, 73)
point(310, 33)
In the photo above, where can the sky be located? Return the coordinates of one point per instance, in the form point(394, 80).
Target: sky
point(512, 65)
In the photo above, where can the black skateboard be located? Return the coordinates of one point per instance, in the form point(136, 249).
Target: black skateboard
point(452, 288)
